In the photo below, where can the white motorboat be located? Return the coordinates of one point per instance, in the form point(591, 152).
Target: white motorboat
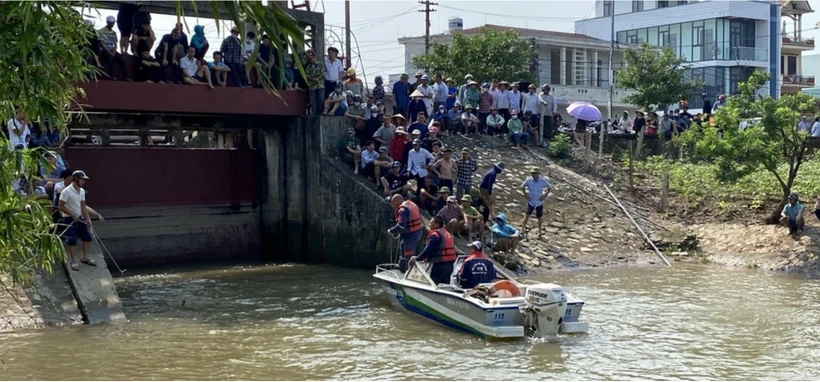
point(511, 309)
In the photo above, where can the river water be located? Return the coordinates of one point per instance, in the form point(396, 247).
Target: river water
point(318, 322)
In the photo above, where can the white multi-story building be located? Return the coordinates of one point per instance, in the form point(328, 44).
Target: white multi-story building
point(724, 41)
point(574, 65)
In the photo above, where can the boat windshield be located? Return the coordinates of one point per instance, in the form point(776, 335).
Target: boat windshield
point(419, 272)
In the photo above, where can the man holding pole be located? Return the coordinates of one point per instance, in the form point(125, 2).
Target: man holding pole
point(548, 108)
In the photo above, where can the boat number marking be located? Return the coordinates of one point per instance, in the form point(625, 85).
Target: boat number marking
point(499, 316)
point(460, 304)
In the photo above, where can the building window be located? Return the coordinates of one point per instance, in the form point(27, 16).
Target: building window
point(637, 5)
point(791, 65)
point(632, 37)
point(663, 4)
point(682, 2)
point(608, 7)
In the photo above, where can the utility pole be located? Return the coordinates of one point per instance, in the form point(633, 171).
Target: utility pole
point(611, 51)
point(427, 10)
point(347, 34)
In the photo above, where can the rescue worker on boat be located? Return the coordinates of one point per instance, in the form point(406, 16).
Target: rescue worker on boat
point(476, 269)
point(440, 251)
point(408, 225)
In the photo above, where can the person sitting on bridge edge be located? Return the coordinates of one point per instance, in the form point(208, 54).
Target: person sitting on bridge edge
point(792, 215)
point(477, 268)
point(440, 251)
point(408, 225)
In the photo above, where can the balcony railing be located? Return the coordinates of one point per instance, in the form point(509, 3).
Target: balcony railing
point(794, 40)
point(746, 53)
point(799, 80)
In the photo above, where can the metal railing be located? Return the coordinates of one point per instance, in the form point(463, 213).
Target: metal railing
point(746, 53)
point(794, 40)
point(796, 79)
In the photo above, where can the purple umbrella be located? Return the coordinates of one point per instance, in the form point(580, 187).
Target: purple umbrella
point(584, 110)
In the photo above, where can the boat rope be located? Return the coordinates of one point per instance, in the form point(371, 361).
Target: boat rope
point(106, 251)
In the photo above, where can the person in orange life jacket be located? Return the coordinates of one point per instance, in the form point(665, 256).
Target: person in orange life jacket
point(408, 225)
point(440, 251)
point(477, 268)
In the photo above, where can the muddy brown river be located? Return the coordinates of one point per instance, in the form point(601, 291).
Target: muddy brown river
point(316, 322)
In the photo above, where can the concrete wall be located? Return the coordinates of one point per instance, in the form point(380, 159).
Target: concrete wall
point(313, 208)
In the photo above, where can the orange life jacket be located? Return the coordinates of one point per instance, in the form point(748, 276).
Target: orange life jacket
point(415, 217)
point(446, 251)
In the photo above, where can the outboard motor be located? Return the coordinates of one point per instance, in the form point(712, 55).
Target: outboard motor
point(544, 309)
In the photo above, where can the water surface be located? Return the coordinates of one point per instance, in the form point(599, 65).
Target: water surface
point(320, 322)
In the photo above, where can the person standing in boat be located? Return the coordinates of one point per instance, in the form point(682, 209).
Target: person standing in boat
point(477, 268)
point(408, 225)
point(440, 251)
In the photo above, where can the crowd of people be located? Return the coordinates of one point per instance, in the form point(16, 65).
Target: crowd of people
point(176, 59)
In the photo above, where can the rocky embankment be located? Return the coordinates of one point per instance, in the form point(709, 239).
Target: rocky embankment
point(582, 224)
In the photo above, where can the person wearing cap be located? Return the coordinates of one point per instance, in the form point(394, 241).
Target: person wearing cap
point(452, 94)
point(334, 70)
point(472, 219)
point(533, 191)
point(378, 166)
point(394, 182)
point(442, 118)
point(415, 85)
point(408, 226)
point(529, 104)
point(501, 98)
point(431, 138)
point(384, 134)
point(792, 215)
point(355, 115)
point(446, 169)
point(417, 161)
point(336, 103)
point(462, 90)
point(454, 118)
point(516, 129)
point(471, 96)
point(415, 134)
point(469, 121)
point(398, 144)
point(353, 83)
point(19, 131)
point(401, 95)
point(504, 237)
point(452, 214)
point(466, 166)
point(440, 93)
point(50, 174)
point(419, 123)
point(231, 49)
point(373, 121)
point(66, 177)
point(76, 220)
point(485, 106)
point(416, 107)
point(351, 147)
point(487, 183)
point(427, 92)
point(547, 108)
point(495, 123)
point(108, 41)
point(440, 251)
point(476, 269)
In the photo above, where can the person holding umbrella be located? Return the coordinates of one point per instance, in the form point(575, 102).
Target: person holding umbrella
point(585, 112)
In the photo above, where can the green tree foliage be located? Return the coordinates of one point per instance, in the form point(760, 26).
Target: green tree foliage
point(657, 78)
point(491, 55)
point(42, 58)
point(770, 139)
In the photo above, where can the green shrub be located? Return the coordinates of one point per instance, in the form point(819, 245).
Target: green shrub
point(560, 147)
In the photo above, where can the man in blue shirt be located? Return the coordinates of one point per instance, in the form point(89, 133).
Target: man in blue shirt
point(533, 189)
point(401, 96)
point(452, 92)
point(477, 268)
point(792, 215)
point(486, 185)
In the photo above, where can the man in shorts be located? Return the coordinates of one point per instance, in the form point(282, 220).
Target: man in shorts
point(533, 192)
point(75, 218)
point(487, 183)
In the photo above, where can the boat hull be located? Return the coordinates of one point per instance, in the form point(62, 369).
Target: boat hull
point(456, 313)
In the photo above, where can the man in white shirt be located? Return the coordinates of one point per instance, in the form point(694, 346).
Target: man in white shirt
point(427, 92)
point(75, 220)
point(19, 132)
point(530, 104)
point(440, 92)
point(495, 123)
point(193, 72)
point(469, 121)
point(533, 190)
point(804, 124)
point(417, 161)
point(334, 70)
point(514, 97)
point(815, 128)
point(502, 100)
point(548, 108)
